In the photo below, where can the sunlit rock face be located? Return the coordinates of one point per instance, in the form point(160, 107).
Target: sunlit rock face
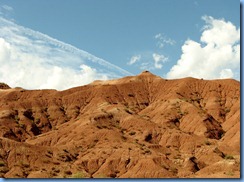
point(140, 126)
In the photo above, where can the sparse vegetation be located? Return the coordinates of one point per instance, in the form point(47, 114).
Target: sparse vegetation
point(132, 133)
point(68, 172)
point(174, 170)
point(177, 156)
point(78, 175)
point(56, 163)
point(37, 120)
point(230, 173)
point(227, 110)
point(147, 151)
point(92, 145)
point(24, 164)
point(16, 118)
point(49, 152)
point(21, 125)
point(128, 111)
point(207, 142)
point(101, 175)
point(131, 95)
point(2, 163)
point(46, 161)
point(229, 157)
point(124, 138)
point(4, 169)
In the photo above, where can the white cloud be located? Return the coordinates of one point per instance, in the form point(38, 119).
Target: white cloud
point(146, 66)
point(158, 59)
point(216, 56)
point(160, 45)
point(134, 59)
point(158, 36)
point(32, 60)
point(31, 71)
point(148, 60)
point(8, 8)
point(162, 40)
point(4, 50)
point(226, 73)
point(219, 32)
point(6, 11)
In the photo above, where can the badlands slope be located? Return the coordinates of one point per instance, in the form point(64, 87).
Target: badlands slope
point(141, 126)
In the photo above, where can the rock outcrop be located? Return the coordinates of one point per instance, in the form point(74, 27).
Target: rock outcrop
point(4, 86)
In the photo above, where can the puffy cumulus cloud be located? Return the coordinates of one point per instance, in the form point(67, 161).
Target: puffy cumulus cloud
point(30, 71)
point(33, 60)
point(158, 59)
point(216, 56)
point(219, 32)
point(134, 59)
point(4, 50)
point(226, 73)
point(60, 78)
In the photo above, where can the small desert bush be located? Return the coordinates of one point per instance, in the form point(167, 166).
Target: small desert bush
point(128, 111)
point(147, 151)
point(207, 142)
point(16, 118)
point(229, 157)
point(24, 164)
point(227, 110)
point(132, 133)
point(101, 175)
point(230, 173)
point(2, 163)
point(174, 170)
point(167, 153)
point(78, 175)
point(131, 95)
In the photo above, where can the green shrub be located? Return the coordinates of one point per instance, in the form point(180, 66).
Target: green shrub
point(132, 133)
point(229, 157)
point(101, 176)
point(16, 118)
point(230, 173)
point(2, 163)
point(207, 142)
point(78, 175)
point(131, 95)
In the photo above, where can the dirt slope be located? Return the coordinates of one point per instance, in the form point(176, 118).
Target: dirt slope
point(135, 127)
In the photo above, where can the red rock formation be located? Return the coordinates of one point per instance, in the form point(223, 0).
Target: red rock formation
point(135, 127)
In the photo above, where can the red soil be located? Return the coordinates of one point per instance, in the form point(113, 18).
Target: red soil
point(135, 127)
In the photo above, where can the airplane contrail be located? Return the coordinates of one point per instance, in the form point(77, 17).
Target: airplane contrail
point(65, 46)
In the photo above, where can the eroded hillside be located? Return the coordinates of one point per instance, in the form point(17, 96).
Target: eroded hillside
point(134, 127)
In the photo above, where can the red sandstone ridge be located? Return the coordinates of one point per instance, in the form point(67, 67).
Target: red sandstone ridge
point(135, 127)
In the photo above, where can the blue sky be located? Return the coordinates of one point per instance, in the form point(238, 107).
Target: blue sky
point(132, 34)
